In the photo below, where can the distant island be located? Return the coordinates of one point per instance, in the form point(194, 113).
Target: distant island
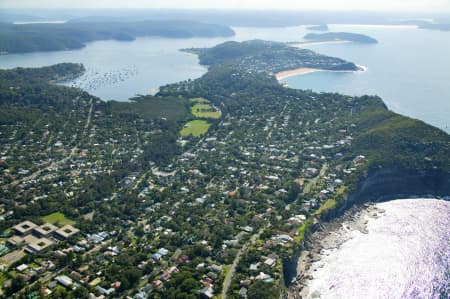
point(74, 35)
point(432, 26)
point(340, 36)
point(322, 27)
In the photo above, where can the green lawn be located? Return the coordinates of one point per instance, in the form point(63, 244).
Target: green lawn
point(327, 205)
point(195, 128)
point(302, 229)
point(204, 111)
point(57, 218)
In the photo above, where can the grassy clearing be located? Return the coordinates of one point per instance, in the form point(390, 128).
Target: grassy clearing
point(327, 205)
point(57, 218)
point(302, 229)
point(195, 128)
point(205, 111)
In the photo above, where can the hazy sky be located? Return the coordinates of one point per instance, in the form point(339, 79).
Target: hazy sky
point(420, 5)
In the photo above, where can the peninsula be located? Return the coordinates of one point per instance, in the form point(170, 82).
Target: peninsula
point(209, 188)
point(267, 56)
point(282, 59)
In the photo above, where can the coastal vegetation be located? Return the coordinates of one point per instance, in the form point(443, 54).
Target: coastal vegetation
point(392, 139)
point(327, 205)
point(302, 229)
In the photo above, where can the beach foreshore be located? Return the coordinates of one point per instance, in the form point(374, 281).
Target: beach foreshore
point(330, 236)
point(300, 71)
point(305, 70)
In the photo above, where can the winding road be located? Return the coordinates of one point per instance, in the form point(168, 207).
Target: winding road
point(230, 274)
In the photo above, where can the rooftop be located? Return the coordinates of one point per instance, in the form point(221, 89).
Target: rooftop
point(24, 227)
point(67, 231)
point(38, 245)
point(45, 229)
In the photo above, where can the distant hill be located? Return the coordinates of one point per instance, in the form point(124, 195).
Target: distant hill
point(74, 35)
point(345, 36)
point(323, 27)
point(17, 17)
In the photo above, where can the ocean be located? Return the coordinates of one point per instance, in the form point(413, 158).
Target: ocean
point(405, 253)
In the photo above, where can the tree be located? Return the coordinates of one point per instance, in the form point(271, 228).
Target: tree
point(293, 192)
point(189, 285)
point(260, 289)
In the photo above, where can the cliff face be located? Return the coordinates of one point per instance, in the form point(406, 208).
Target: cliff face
point(392, 183)
point(389, 183)
point(382, 184)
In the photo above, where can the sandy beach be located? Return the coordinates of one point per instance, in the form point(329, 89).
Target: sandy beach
point(306, 70)
point(300, 71)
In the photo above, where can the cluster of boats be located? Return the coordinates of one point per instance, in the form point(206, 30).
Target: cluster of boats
point(93, 79)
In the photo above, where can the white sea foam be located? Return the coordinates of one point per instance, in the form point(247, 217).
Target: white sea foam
point(406, 254)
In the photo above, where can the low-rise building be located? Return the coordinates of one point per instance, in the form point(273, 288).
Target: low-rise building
point(24, 227)
point(45, 229)
point(66, 232)
point(38, 245)
point(64, 280)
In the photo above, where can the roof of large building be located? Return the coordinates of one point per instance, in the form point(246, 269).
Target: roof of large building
point(24, 227)
point(67, 231)
point(45, 229)
point(15, 240)
point(30, 239)
point(38, 245)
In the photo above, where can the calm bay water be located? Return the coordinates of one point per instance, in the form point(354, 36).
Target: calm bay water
point(409, 68)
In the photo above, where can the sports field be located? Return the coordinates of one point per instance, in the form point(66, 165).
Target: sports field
point(195, 128)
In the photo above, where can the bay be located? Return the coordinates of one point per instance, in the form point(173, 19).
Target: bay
point(409, 67)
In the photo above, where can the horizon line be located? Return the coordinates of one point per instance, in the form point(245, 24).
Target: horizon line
point(279, 9)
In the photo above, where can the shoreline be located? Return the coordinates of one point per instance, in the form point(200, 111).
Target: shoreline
point(300, 71)
point(332, 236)
point(328, 237)
point(305, 70)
